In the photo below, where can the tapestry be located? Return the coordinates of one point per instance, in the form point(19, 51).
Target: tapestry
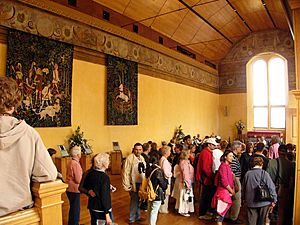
point(121, 91)
point(42, 69)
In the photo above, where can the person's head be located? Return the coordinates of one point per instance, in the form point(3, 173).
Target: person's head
point(146, 148)
point(163, 143)
point(249, 147)
point(166, 151)
point(10, 95)
point(76, 151)
point(258, 161)
point(137, 149)
point(178, 148)
point(236, 147)
point(290, 147)
point(211, 143)
point(223, 144)
point(51, 151)
point(185, 154)
point(154, 159)
point(153, 146)
point(192, 148)
point(187, 139)
point(260, 147)
point(282, 150)
point(227, 157)
point(101, 161)
point(275, 139)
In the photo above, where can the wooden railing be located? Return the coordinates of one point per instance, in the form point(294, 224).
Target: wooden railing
point(47, 208)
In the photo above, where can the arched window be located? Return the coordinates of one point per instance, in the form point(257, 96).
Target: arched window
point(269, 91)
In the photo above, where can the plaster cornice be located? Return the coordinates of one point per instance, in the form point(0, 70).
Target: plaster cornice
point(58, 22)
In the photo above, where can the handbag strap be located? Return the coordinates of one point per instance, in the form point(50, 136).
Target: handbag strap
point(261, 178)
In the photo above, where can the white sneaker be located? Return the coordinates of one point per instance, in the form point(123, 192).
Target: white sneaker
point(205, 217)
point(185, 214)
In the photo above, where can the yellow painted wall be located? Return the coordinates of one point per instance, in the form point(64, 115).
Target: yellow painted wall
point(162, 105)
point(236, 110)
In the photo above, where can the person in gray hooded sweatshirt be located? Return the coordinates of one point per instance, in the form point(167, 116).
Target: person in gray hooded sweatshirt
point(23, 156)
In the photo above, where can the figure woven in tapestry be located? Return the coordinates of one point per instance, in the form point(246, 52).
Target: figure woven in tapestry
point(121, 91)
point(43, 70)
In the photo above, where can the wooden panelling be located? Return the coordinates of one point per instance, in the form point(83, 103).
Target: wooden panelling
point(117, 5)
point(188, 29)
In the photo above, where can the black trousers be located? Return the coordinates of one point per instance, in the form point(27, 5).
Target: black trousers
point(207, 194)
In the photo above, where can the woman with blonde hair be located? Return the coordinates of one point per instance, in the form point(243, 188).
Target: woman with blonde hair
point(167, 169)
point(74, 175)
point(97, 180)
point(185, 202)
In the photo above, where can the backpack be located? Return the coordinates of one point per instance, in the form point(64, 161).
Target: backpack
point(147, 191)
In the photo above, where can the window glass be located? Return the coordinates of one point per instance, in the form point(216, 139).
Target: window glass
point(260, 83)
point(261, 117)
point(278, 117)
point(277, 82)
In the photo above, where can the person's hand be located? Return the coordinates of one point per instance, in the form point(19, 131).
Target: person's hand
point(273, 204)
point(91, 193)
point(112, 188)
point(108, 219)
point(233, 193)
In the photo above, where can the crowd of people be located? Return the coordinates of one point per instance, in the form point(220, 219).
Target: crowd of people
point(228, 174)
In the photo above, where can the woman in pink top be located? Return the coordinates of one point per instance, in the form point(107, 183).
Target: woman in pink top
point(225, 187)
point(186, 197)
point(74, 175)
point(273, 150)
point(167, 169)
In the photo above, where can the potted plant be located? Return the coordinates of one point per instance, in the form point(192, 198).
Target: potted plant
point(240, 126)
point(77, 139)
point(178, 135)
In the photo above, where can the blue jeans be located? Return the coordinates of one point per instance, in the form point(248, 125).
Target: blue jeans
point(135, 213)
point(74, 212)
point(153, 208)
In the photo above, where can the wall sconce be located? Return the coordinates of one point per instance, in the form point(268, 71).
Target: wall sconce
point(226, 111)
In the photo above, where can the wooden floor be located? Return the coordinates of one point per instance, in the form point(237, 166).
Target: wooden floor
point(120, 204)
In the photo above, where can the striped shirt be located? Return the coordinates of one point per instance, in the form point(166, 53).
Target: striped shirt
point(236, 166)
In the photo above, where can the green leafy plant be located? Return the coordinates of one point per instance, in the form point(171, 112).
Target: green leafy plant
point(77, 139)
point(240, 125)
point(178, 134)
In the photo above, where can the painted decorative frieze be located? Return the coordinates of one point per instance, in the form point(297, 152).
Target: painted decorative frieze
point(27, 16)
point(232, 69)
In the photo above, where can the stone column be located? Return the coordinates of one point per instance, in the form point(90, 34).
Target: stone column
point(295, 6)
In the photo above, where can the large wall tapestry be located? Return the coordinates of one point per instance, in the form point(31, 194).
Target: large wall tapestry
point(121, 91)
point(43, 71)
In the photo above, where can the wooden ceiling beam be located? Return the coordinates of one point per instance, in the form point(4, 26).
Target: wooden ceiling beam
point(239, 15)
point(268, 12)
point(288, 15)
point(166, 13)
point(205, 20)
